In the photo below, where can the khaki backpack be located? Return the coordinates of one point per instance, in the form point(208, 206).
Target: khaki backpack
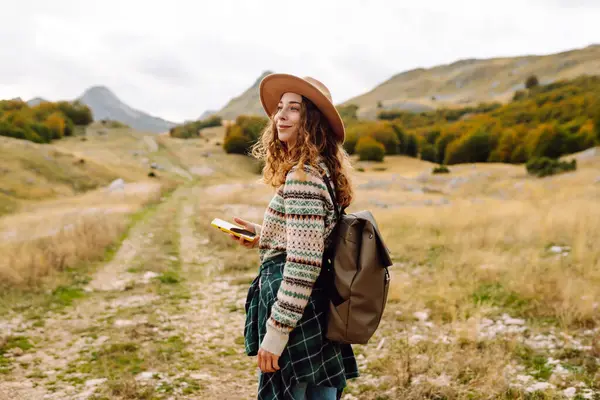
point(356, 264)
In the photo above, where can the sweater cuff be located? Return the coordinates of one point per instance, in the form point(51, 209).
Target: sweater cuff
point(257, 228)
point(274, 341)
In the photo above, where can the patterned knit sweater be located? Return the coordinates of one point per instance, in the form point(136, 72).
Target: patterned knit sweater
point(297, 221)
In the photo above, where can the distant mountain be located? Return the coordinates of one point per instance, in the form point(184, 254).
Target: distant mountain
point(106, 105)
point(471, 81)
point(461, 83)
point(207, 114)
point(246, 103)
point(36, 101)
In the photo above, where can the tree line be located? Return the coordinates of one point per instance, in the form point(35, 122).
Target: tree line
point(44, 122)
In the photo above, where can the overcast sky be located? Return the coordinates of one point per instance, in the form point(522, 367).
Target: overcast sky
point(175, 59)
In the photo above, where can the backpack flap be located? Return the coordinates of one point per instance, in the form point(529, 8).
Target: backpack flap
point(385, 259)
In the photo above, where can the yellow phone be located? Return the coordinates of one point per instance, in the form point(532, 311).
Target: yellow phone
point(238, 231)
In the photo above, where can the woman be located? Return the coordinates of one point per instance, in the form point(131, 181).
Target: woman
point(287, 302)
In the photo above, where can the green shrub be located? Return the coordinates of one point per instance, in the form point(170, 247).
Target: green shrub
point(428, 153)
point(401, 135)
point(412, 146)
point(390, 115)
point(76, 111)
point(385, 134)
point(192, 129)
point(370, 149)
point(531, 82)
point(252, 126)
point(348, 113)
point(236, 144)
point(475, 147)
point(44, 122)
point(545, 166)
point(441, 169)
point(442, 143)
point(597, 121)
point(110, 123)
point(519, 95)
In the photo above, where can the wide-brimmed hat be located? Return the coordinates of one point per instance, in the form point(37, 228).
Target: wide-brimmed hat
point(273, 86)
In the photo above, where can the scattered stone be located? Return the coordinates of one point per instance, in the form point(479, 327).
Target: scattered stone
point(440, 381)
point(95, 382)
point(202, 171)
point(414, 339)
point(26, 359)
point(539, 386)
point(117, 184)
point(512, 321)
point(570, 392)
point(182, 172)
point(133, 301)
point(421, 315)
point(122, 323)
point(144, 376)
point(150, 275)
point(201, 376)
point(17, 352)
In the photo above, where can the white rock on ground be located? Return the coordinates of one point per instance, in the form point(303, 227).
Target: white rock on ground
point(421, 315)
point(142, 376)
point(95, 382)
point(117, 184)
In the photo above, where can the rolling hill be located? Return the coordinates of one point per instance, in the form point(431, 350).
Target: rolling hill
point(246, 103)
point(471, 81)
point(461, 83)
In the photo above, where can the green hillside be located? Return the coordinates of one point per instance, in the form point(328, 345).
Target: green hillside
point(546, 120)
point(471, 81)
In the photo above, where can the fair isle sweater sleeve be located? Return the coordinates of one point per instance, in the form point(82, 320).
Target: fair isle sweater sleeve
point(305, 213)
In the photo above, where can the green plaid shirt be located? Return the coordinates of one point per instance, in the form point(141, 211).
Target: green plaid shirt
point(309, 356)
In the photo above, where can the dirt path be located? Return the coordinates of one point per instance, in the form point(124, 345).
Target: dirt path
point(160, 320)
point(164, 320)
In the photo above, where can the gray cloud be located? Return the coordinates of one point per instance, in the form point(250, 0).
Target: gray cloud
point(166, 68)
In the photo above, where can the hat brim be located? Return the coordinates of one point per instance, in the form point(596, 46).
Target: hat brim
point(273, 86)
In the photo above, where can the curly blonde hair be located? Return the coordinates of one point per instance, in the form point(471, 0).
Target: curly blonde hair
point(315, 138)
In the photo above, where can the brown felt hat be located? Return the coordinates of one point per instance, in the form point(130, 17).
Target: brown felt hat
point(273, 86)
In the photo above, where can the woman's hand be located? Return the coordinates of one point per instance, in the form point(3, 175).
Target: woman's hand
point(267, 362)
point(248, 226)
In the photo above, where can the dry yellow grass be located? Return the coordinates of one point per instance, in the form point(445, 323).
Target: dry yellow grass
point(472, 249)
point(55, 234)
point(52, 233)
point(482, 254)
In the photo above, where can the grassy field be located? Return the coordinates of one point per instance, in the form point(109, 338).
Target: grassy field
point(495, 284)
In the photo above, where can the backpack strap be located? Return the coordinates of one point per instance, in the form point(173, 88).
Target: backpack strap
point(338, 211)
point(332, 194)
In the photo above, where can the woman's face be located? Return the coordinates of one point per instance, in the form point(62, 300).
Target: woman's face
point(287, 118)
